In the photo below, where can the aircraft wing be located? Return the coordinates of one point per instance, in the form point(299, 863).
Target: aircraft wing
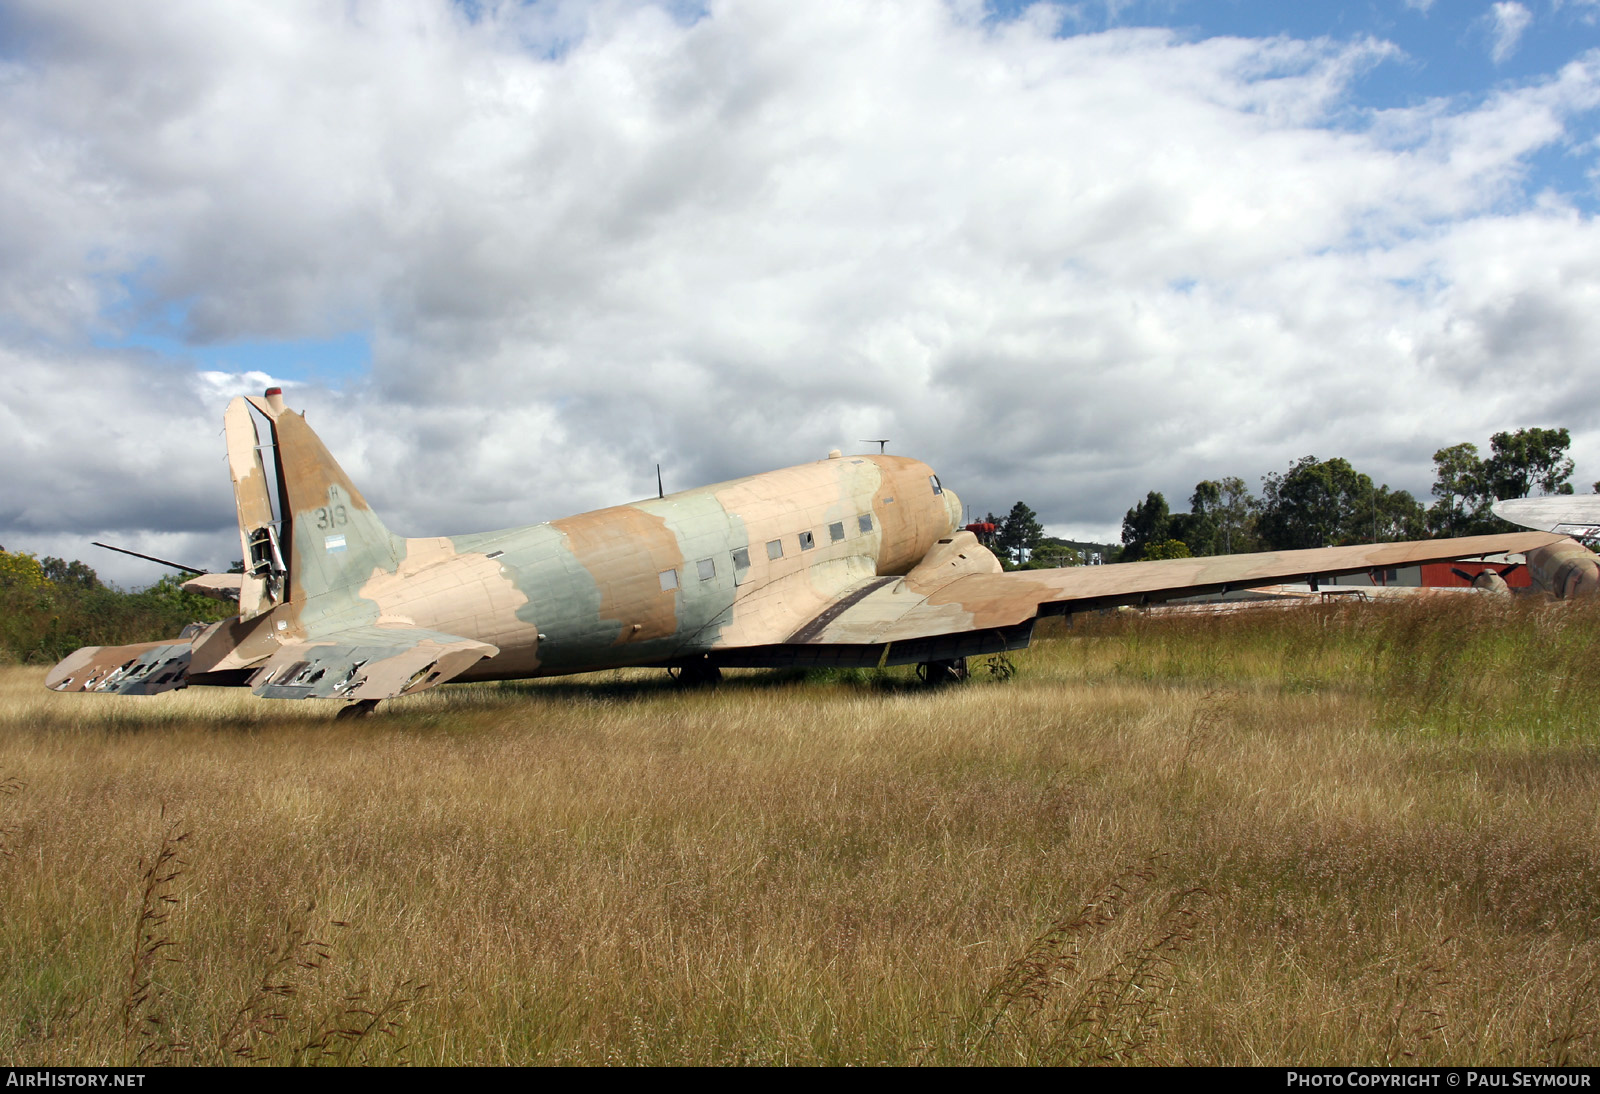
point(377, 662)
point(1576, 515)
point(955, 604)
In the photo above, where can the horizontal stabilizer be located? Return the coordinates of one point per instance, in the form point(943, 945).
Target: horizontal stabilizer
point(216, 586)
point(147, 668)
point(367, 663)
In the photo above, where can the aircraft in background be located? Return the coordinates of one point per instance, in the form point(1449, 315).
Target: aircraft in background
point(1567, 568)
point(848, 561)
point(1575, 515)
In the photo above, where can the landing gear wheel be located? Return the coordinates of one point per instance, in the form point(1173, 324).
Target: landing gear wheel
point(358, 709)
point(698, 674)
point(935, 673)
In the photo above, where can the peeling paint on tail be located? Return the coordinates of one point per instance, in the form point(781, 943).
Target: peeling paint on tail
point(332, 538)
point(261, 587)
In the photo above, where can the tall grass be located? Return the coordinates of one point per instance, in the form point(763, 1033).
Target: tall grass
point(1449, 664)
point(1303, 836)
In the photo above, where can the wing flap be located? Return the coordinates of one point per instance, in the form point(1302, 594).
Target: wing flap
point(367, 663)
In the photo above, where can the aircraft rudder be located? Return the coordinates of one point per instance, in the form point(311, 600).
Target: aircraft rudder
point(261, 588)
point(332, 537)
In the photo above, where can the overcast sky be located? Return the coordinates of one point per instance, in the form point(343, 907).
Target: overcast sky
point(508, 257)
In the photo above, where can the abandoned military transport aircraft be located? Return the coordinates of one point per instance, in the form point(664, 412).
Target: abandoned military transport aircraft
point(848, 561)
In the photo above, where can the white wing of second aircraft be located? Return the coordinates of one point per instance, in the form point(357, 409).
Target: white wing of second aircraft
point(1575, 515)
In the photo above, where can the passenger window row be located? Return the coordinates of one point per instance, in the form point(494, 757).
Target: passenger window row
point(808, 540)
point(706, 568)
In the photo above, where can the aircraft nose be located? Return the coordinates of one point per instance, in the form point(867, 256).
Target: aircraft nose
point(952, 508)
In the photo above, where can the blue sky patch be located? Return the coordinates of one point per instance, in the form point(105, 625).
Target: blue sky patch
point(330, 361)
point(1451, 50)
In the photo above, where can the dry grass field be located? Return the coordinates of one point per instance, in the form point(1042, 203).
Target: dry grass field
point(1361, 834)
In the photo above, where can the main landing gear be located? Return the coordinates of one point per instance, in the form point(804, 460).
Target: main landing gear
point(696, 674)
point(935, 673)
point(358, 709)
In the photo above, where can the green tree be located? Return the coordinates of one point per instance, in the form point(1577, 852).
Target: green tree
point(43, 620)
point(1146, 523)
point(1172, 548)
point(1198, 527)
point(21, 571)
point(1461, 483)
point(1235, 514)
point(1019, 533)
point(1390, 515)
point(1520, 461)
point(1052, 554)
point(69, 575)
point(169, 597)
point(1306, 506)
point(1320, 503)
point(1220, 520)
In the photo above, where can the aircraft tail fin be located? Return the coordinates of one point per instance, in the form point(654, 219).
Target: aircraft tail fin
point(314, 533)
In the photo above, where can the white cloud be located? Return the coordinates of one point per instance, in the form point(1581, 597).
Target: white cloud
point(588, 238)
point(1508, 19)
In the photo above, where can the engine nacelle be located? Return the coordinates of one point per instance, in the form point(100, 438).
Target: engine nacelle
point(1566, 569)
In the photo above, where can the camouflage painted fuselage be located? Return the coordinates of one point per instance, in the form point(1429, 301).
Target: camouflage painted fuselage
point(741, 563)
point(332, 604)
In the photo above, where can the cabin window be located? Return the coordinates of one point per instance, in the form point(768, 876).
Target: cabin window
point(836, 531)
point(669, 580)
point(741, 565)
point(933, 481)
point(775, 548)
point(866, 522)
point(708, 568)
point(807, 541)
